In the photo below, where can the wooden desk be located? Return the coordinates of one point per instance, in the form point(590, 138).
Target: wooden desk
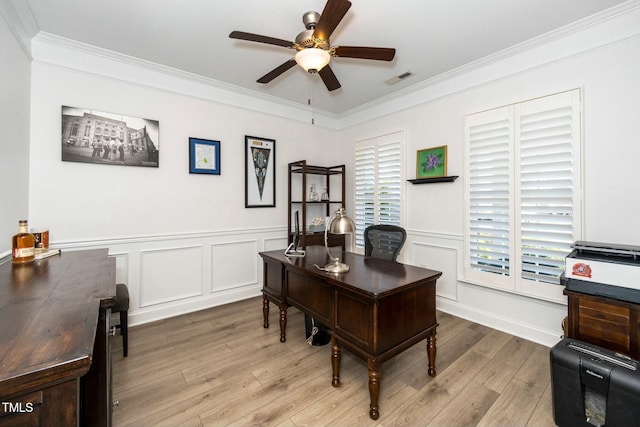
point(376, 310)
point(54, 346)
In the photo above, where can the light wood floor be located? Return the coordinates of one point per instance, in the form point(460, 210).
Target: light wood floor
point(220, 367)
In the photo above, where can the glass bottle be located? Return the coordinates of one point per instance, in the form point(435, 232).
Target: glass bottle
point(23, 245)
point(325, 195)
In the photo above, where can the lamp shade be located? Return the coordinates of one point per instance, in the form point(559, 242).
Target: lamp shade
point(339, 223)
point(342, 224)
point(312, 59)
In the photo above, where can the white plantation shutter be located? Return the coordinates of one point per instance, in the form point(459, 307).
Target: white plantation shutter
point(379, 179)
point(546, 191)
point(365, 205)
point(523, 193)
point(490, 136)
point(389, 183)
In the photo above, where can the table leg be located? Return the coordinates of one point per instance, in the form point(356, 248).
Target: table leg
point(265, 310)
point(335, 362)
point(283, 323)
point(431, 352)
point(374, 387)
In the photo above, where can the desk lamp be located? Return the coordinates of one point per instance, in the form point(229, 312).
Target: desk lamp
point(337, 223)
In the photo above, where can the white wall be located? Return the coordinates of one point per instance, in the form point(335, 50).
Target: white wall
point(14, 143)
point(435, 213)
point(182, 241)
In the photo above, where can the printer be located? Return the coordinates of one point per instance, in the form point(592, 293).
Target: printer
point(603, 269)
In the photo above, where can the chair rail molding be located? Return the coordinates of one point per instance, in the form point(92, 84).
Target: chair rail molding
point(173, 274)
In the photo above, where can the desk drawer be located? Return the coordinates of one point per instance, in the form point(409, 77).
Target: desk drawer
point(310, 295)
point(51, 406)
point(22, 411)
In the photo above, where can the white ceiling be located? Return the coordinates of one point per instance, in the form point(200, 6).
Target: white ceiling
point(431, 37)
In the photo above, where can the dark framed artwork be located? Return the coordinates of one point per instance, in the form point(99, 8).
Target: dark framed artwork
point(260, 172)
point(431, 162)
point(97, 137)
point(204, 156)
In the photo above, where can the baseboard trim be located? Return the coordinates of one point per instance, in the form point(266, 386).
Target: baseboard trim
point(529, 332)
point(179, 308)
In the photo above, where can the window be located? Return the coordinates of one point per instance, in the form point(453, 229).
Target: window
point(523, 191)
point(379, 182)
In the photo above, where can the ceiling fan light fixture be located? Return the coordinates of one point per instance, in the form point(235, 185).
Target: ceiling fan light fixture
point(313, 59)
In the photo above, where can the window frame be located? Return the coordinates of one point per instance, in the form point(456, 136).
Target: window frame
point(514, 282)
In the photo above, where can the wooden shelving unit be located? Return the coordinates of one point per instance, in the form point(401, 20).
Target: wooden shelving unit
point(299, 171)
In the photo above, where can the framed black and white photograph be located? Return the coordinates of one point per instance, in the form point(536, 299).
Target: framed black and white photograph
point(260, 172)
point(204, 156)
point(91, 136)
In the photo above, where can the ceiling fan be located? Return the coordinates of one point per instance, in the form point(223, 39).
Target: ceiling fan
point(314, 50)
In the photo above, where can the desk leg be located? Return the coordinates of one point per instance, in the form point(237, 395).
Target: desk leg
point(375, 368)
point(335, 362)
point(283, 323)
point(431, 352)
point(265, 310)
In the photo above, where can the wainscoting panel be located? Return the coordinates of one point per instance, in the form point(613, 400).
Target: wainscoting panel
point(275, 243)
point(441, 258)
point(173, 274)
point(170, 274)
point(233, 265)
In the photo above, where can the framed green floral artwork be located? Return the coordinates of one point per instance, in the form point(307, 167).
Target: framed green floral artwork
point(431, 162)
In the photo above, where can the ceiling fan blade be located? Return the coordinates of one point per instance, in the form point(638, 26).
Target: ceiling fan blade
point(376, 53)
point(331, 16)
point(277, 71)
point(241, 35)
point(330, 80)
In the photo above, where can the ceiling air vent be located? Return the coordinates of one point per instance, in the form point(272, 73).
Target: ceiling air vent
point(399, 78)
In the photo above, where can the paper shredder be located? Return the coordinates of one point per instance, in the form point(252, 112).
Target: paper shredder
point(593, 386)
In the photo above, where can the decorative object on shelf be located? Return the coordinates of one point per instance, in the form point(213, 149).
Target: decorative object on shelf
point(325, 194)
point(337, 223)
point(204, 156)
point(91, 136)
point(431, 162)
point(23, 246)
point(41, 236)
point(317, 225)
point(313, 195)
point(260, 172)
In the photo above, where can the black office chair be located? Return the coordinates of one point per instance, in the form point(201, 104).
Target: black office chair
point(384, 241)
point(121, 305)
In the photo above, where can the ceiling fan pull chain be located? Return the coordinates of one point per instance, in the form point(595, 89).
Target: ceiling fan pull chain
point(313, 122)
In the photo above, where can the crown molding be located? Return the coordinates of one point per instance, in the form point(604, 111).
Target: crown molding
point(71, 54)
point(20, 21)
point(609, 27)
point(597, 31)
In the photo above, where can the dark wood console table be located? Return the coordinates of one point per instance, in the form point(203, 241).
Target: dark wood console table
point(376, 310)
point(605, 322)
point(54, 346)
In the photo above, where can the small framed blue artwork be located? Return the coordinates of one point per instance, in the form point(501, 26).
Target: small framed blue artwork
point(204, 156)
